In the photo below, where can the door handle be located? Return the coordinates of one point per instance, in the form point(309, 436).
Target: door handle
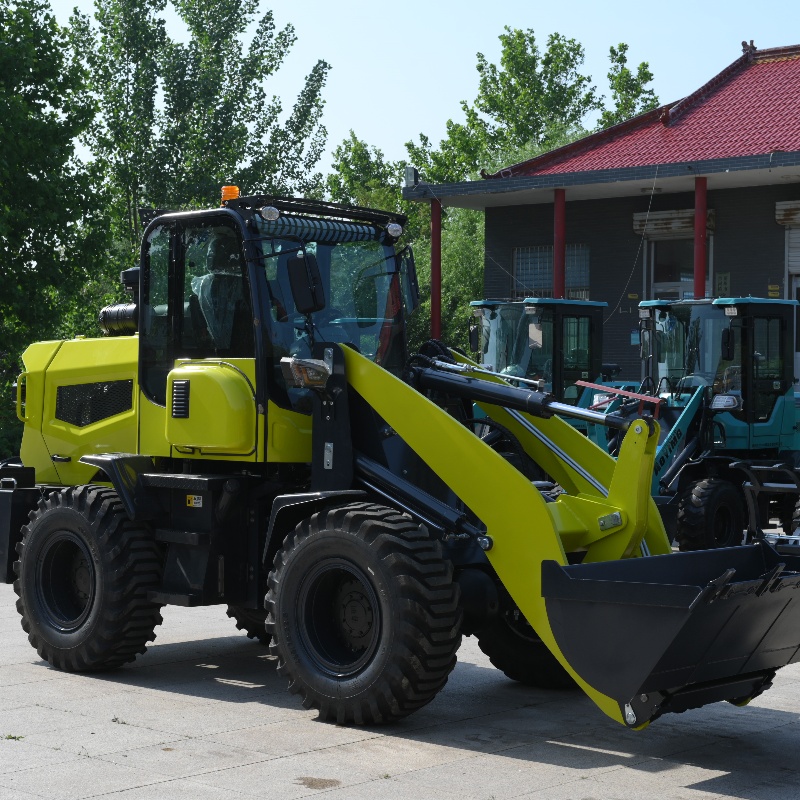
point(60, 459)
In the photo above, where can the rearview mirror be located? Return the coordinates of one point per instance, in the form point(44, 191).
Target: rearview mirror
point(306, 283)
point(474, 338)
point(535, 335)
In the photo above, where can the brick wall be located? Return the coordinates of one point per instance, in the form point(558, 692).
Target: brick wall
point(748, 244)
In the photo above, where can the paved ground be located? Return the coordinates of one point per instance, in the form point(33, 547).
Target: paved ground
point(203, 715)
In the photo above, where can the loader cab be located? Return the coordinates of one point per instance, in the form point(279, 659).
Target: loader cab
point(557, 342)
point(739, 350)
point(218, 310)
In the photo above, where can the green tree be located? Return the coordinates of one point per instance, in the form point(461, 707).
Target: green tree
point(532, 102)
point(177, 120)
point(218, 123)
point(530, 99)
point(123, 57)
point(629, 90)
point(48, 237)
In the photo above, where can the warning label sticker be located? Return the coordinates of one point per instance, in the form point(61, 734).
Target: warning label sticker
point(194, 500)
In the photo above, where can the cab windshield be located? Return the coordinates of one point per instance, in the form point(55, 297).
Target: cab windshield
point(369, 290)
point(516, 343)
point(688, 353)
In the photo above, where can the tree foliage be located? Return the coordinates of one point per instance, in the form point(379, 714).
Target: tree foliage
point(218, 123)
point(48, 230)
point(629, 90)
point(122, 57)
point(533, 101)
point(177, 120)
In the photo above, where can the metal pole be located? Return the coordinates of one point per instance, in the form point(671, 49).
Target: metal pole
point(436, 269)
point(559, 242)
point(700, 236)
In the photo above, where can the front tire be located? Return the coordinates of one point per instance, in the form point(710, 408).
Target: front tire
point(364, 614)
point(83, 575)
point(711, 514)
point(514, 648)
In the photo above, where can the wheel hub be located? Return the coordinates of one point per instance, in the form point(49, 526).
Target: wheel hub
point(356, 615)
point(66, 580)
point(340, 617)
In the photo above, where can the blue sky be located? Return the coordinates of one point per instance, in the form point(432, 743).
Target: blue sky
point(399, 69)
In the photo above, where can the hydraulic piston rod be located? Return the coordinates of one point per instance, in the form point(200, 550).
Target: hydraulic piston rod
point(450, 378)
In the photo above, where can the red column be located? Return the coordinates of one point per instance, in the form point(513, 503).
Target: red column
point(700, 236)
point(559, 242)
point(436, 269)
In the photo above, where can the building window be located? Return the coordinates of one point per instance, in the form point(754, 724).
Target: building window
point(673, 269)
point(533, 271)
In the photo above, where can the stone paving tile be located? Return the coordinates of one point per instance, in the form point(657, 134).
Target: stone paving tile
point(30, 719)
point(389, 789)
point(72, 694)
point(295, 736)
point(182, 715)
point(666, 777)
point(100, 738)
point(472, 736)
point(286, 778)
point(615, 788)
point(17, 755)
point(486, 776)
point(78, 779)
point(15, 794)
point(660, 739)
point(185, 757)
point(386, 756)
point(178, 789)
point(32, 671)
point(209, 717)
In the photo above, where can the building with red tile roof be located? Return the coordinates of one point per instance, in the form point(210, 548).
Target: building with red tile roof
point(617, 216)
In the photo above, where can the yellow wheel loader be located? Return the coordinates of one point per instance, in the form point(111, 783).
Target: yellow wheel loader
point(252, 433)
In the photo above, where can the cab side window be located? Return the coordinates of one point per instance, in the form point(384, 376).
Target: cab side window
point(767, 366)
point(195, 301)
point(154, 317)
point(217, 313)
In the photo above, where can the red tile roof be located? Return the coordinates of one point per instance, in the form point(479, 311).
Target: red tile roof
point(751, 108)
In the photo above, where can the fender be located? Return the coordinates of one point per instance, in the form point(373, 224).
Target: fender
point(289, 510)
point(123, 470)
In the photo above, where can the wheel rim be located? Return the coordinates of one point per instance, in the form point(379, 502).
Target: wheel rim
point(339, 618)
point(66, 581)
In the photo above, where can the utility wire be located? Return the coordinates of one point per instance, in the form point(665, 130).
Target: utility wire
point(641, 243)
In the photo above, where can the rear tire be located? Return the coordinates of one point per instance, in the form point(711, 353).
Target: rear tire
point(514, 648)
point(364, 614)
point(83, 575)
point(252, 621)
point(711, 515)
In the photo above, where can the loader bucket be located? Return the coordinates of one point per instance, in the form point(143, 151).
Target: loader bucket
point(667, 633)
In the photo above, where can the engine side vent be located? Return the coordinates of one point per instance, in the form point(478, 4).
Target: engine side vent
point(86, 403)
point(180, 400)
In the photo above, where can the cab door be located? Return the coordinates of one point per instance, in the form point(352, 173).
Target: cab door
point(197, 343)
point(768, 383)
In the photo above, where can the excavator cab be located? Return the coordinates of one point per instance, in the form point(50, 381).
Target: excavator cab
point(554, 342)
